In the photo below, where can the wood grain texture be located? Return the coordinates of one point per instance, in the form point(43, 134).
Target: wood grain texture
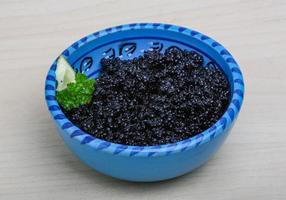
point(35, 164)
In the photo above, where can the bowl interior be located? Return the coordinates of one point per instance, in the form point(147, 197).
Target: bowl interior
point(128, 44)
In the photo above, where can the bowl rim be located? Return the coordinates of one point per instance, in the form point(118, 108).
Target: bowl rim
point(215, 130)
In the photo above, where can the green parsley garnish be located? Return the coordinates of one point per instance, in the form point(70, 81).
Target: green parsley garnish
point(76, 94)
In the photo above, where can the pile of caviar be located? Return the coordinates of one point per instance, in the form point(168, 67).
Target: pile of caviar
point(154, 99)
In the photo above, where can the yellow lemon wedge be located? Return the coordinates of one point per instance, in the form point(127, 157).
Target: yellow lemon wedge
point(64, 73)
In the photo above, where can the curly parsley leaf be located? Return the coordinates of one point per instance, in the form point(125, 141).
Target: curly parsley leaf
point(76, 94)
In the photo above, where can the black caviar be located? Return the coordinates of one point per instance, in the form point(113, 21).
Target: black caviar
point(154, 99)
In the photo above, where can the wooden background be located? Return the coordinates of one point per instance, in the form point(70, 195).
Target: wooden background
point(34, 162)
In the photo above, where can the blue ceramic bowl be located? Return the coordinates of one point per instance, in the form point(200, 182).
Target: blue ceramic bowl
point(144, 163)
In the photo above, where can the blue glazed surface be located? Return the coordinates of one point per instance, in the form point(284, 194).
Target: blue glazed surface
point(152, 163)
